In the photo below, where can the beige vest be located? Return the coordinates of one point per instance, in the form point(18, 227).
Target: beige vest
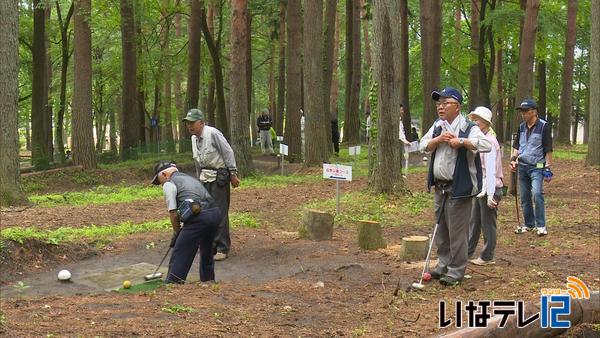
point(206, 155)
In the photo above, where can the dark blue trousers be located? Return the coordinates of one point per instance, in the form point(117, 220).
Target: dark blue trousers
point(197, 234)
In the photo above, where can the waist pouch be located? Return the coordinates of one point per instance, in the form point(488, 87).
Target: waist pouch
point(222, 177)
point(190, 208)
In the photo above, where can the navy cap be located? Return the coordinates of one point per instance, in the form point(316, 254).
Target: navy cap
point(527, 104)
point(160, 166)
point(447, 92)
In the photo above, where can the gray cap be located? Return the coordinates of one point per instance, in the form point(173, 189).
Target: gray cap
point(194, 115)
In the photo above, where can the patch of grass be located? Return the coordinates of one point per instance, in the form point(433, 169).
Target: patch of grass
point(145, 161)
point(276, 181)
point(177, 308)
point(30, 186)
point(381, 208)
point(243, 220)
point(91, 234)
point(576, 152)
point(99, 195)
point(143, 287)
point(102, 235)
point(2, 318)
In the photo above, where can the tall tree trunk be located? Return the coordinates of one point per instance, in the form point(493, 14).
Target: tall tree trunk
point(238, 81)
point(386, 176)
point(130, 117)
point(179, 106)
point(566, 94)
point(474, 97)
point(144, 116)
point(272, 105)
point(221, 116)
point(593, 153)
point(193, 76)
point(65, 56)
point(167, 130)
point(431, 28)
point(328, 36)
point(499, 126)
point(365, 17)
point(542, 91)
point(39, 100)
point(526, 56)
point(353, 73)
point(112, 123)
point(48, 88)
point(333, 96)
point(210, 96)
point(10, 180)
point(279, 112)
point(249, 64)
point(83, 137)
point(404, 67)
point(317, 144)
point(294, 79)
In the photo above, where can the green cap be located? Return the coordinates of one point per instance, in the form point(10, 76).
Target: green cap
point(194, 115)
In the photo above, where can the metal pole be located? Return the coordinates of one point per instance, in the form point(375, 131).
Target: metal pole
point(337, 188)
point(282, 157)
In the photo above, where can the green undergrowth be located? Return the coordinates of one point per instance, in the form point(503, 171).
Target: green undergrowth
point(148, 286)
point(99, 195)
point(147, 161)
point(101, 235)
point(389, 210)
point(576, 152)
point(277, 181)
point(98, 235)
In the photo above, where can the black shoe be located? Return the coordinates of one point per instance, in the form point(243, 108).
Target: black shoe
point(435, 274)
point(449, 281)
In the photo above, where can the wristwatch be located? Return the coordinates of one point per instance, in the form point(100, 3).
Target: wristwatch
point(461, 141)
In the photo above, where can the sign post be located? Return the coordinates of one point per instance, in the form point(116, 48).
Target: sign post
point(283, 150)
point(339, 173)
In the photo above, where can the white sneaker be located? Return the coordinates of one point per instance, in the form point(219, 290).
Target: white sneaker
point(481, 262)
point(220, 256)
point(542, 231)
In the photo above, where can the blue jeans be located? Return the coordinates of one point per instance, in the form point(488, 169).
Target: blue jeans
point(531, 183)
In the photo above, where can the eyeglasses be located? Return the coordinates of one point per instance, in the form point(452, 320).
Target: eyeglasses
point(445, 103)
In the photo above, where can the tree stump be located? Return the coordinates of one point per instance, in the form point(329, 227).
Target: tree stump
point(414, 247)
point(369, 235)
point(317, 225)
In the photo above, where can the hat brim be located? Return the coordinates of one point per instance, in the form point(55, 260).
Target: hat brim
point(481, 117)
point(525, 108)
point(435, 95)
point(155, 180)
point(185, 119)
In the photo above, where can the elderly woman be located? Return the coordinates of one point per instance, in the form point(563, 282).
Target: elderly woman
point(484, 212)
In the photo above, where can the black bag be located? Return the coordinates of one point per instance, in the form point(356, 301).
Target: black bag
point(188, 209)
point(222, 177)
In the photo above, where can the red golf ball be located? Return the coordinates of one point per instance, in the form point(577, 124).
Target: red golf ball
point(426, 276)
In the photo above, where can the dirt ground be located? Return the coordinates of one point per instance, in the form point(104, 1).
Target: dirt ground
point(276, 284)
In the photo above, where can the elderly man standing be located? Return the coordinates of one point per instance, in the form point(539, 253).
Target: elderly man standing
point(216, 169)
point(455, 172)
point(532, 154)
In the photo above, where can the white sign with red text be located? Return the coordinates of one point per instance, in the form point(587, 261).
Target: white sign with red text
point(337, 172)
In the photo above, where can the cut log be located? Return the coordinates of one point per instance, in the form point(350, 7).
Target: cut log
point(317, 225)
point(369, 235)
point(414, 248)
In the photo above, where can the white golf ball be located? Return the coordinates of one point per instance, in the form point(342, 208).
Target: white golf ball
point(64, 275)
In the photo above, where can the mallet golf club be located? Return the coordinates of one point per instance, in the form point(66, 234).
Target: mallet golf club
point(420, 284)
point(156, 274)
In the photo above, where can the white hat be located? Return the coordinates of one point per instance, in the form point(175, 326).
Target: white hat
point(484, 113)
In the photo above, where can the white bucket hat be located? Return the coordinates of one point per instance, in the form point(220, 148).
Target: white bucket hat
point(483, 113)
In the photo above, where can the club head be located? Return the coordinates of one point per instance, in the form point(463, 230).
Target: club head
point(153, 276)
point(417, 286)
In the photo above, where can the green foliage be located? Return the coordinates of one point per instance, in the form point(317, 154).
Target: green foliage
point(389, 210)
point(21, 287)
point(177, 308)
point(244, 220)
point(100, 195)
point(576, 152)
point(90, 234)
point(276, 181)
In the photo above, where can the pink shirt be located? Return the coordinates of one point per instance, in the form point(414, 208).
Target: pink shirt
point(491, 164)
